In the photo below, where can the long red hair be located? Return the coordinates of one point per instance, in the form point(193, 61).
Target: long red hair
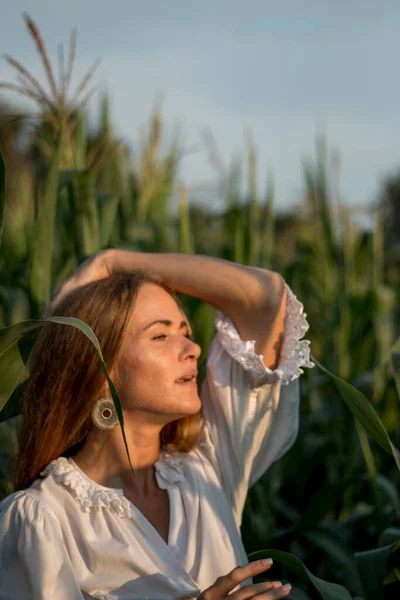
point(66, 377)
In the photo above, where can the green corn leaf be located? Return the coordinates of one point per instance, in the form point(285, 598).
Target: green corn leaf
point(126, 190)
point(105, 123)
point(253, 230)
point(40, 268)
point(392, 579)
point(296, 594)
point(388, 355)
point(66, 176)
point(185, 237)
point(395, 358)
point(389, 536)
point(389, 491)
point(372, 568)
point(203, 322)
point(113, 186)
point(336, 551)
point(10, 359)
point(2, 192)
point(80, 142)
point(12, 371)
point(108, 210)
point(372, 474)
point(268, 233)
point(86, 219)
point(12, 408)
point(322, 502)
point(324, 194)
point(311, 192)
point(327, 590)
point(377, 252)
point(89, 222)
point(363, 412)
point(238, 249)
point(18, 222)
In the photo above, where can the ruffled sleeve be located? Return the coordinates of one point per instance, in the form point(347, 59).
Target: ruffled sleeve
point(251, 411)
point(33, 558)
point(294, 354)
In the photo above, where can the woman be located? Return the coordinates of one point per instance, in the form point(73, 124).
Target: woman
point(82, 524)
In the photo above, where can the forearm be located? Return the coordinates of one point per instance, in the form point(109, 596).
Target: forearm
point(223, 284)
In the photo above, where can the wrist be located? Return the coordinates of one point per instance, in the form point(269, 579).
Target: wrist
point(122, 261)
point(108, 259)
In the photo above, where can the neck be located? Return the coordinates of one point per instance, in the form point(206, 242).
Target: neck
point(104, 459)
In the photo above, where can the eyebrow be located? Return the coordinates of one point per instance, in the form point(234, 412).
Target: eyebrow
point(168, 323)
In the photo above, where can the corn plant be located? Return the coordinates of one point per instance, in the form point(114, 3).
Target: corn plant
point(332, 502)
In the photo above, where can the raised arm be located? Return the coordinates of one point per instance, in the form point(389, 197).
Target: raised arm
point(255, 299)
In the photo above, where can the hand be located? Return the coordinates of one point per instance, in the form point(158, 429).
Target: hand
point(262, 591)
point(93, 268)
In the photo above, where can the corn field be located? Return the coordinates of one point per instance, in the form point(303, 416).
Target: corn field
point(328, 511)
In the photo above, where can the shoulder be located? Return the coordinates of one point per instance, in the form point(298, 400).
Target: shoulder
point(33, 553)
point(20, 501)
point(23, 510)
point(41, 500)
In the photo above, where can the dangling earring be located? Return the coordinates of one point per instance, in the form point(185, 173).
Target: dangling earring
point(104, 415)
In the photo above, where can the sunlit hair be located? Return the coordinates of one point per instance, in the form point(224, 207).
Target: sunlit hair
point(66, 376)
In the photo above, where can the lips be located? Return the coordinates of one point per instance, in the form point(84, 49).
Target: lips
point(188, 377)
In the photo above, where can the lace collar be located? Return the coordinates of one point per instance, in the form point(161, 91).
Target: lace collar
point(89, 494)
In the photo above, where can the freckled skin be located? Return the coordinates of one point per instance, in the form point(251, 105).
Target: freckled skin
point(152, 360)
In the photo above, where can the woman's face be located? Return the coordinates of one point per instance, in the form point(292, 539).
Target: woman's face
point(157, 366)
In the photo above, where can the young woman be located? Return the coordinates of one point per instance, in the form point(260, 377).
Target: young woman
point(82, 524)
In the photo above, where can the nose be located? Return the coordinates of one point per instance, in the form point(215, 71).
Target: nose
point(191, 349)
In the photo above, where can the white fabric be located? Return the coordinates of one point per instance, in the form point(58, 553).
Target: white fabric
point(68, 538)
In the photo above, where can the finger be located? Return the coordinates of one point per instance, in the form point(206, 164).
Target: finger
point(249, 591)
point(280, 592)
point(227, 583)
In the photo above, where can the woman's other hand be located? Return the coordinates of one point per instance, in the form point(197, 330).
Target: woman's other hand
point(93, 268)
point(268, 590)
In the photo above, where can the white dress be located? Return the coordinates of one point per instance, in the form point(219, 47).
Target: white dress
point(69, 538)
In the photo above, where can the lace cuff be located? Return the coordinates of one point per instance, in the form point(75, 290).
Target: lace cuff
point(294, 353)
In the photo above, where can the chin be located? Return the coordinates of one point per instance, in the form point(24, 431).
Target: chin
point(189, 406)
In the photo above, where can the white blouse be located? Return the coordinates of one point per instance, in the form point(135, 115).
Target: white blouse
point(69, 538)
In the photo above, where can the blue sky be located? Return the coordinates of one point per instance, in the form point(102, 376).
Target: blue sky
point(282, 69)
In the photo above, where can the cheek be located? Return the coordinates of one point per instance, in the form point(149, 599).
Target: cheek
point(143, 371)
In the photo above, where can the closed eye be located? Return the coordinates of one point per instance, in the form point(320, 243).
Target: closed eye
point(162, 336)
